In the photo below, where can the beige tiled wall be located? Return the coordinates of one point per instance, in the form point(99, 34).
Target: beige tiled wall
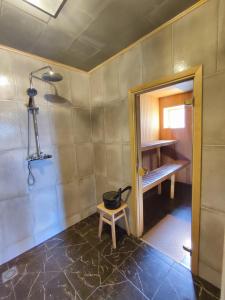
point(197, 38)
point(64, 191)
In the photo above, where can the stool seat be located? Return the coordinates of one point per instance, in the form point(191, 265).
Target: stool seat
point(110, 216)
point(111, 212)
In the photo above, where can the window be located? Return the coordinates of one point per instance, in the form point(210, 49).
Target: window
point(174, 117)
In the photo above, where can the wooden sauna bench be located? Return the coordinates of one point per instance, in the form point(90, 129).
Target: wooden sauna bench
point(166, 171)
point(157, 144)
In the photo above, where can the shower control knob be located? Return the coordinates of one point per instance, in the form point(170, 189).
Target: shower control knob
point(31, 92)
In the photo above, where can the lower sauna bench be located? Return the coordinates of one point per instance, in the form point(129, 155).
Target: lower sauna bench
point(157, 176)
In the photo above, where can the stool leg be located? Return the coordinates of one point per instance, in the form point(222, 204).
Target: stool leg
point(100, 226)
point(172, 188)
point(126, 222)
point(113, 232)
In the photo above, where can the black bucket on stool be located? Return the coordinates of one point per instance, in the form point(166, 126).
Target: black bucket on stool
point(112, 199)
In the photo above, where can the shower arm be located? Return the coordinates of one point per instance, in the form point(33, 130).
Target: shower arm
point(31, 76)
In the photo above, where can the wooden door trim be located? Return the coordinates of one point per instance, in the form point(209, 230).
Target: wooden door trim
point(136, 207)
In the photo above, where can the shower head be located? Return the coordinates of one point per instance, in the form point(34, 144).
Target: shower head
point(48, 76)
point(51, 76)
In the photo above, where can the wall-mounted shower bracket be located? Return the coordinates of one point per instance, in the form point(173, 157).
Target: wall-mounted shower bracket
point(35, 108)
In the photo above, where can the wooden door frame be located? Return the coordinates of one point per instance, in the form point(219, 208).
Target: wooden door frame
point(136, 207)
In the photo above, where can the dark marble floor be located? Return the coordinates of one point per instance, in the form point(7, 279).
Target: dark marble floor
point(76, 265)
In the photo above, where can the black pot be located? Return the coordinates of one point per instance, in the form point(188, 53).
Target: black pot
point(112, 199)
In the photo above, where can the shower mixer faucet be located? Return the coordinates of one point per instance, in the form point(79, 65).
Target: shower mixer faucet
point(33, 110)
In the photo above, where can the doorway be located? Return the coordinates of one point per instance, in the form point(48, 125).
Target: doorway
point(166, 158)
point(165, 124)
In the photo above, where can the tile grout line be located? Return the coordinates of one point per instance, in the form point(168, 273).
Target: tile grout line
point(134, 285)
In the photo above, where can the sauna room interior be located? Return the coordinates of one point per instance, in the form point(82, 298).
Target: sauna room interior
point(166, 151)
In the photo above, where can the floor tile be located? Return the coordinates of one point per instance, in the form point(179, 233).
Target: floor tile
point(92, 235)
point(66, 255)
point(125, 247)
point(35, 260)
point(207, 289)
point(48, 285)
point(177, 287)
point(85, 225)
point(6, 291)
point(88, 273)
point(145, 270)
point(118, 287)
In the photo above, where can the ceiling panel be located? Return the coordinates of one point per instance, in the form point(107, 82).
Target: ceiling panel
point(86, 32)
point(178, 88)
point(17, 28)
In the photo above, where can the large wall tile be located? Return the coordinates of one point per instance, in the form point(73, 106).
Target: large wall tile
point(69, 202)
point(13, 178)
point(113, 121)
point(157, 55)
point(195, 39)
point(44, 171)
point(81, 125)
point(101, 187)
point(96, 86)
point(17, 220)
point(7, 78)
point(130, 70)
point(213, 177)
point(64, 158)
point(80, 89)
point(114, 163)
point(87, 192)
point(211, 239)
point(100, 159)
point(45, 209)
point(97, 121)
point(111, 81)
point(213, 110)
point(85, 159)
point(125, 121)
point(221, 33)
point(23, 66)
point(10, 134)
point(126, 163)
point(61, 124)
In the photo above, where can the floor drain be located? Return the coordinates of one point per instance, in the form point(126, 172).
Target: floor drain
point(9, 274)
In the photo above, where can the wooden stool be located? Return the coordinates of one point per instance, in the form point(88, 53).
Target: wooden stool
point(110, 216)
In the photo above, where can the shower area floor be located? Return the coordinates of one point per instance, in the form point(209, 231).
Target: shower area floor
point(76, 265)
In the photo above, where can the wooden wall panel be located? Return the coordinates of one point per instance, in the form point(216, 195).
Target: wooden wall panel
point(149, 117)
point(183, 149)
point(149, 110)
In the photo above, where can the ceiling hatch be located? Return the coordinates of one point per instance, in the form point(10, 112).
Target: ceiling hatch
point(50, 7)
